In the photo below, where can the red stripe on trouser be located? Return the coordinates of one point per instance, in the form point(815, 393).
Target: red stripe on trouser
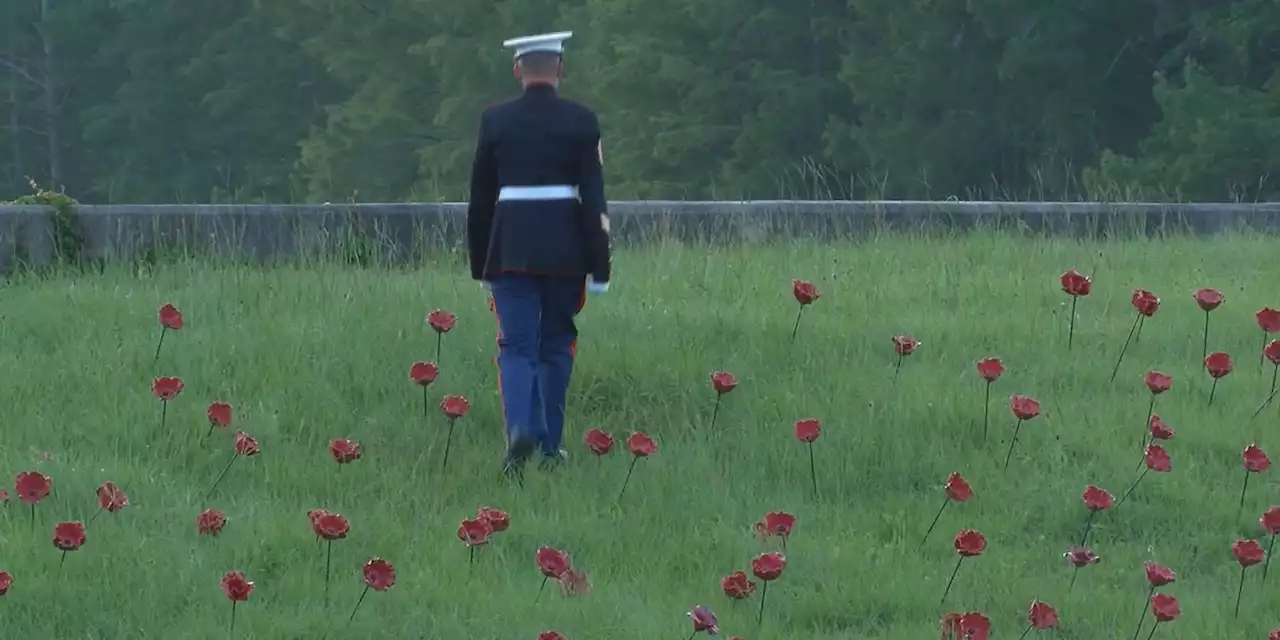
point(502, 401)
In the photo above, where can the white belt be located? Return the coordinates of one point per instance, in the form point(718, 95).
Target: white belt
point(548, 192)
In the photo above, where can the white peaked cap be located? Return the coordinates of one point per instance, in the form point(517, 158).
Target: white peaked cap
point(549, 42)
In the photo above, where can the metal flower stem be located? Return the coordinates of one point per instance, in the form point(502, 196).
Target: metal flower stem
point(1153, 630)
point(358, 602)
point(1012, 442)
point(934, 523)
point(813, 473)
point(33, 516)
point(1075, 572)
point(897, 367)
point(1088, 524)
point(541, 588)
point(1071, 328)
point(471, 557)
point(212, 424)
point(627, 480)
point(1142, 322)
point(439, 340)
point(220, 475)
point(448, 442)
point(232, 627)
point(1213, 390)
point(164, 413)
point(1205, 349)
point(328, 559)
point(1143, 618)
point(1272, 396)
point(1240, 591)
point(986, 411)
point(426, 404)
point(1243, 490)
point(951, 581)
point(796, 329)
point(1134, 486)
point(715, 413)
point(63, 560)
point(160, 343)
point(1271, 546)
point(95, 516)
point(764, 591)
point(1125, 348)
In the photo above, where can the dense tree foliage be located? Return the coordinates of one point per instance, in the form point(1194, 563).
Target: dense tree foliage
point(378, 100)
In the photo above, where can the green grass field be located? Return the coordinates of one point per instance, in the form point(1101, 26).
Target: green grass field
point(309, 355)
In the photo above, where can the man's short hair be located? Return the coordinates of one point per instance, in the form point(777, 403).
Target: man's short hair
point(541, 63)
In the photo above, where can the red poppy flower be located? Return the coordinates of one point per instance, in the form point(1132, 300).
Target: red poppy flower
point(599, 441)
point(551, 635)
point(68, 536)
point(344, 451)
point(553, 563)
point(704, 621)
point(166, 388)
point(990, 369)
point(454, 407)
point(776, 524)
point(314, 514)
point(1145, 302)
point(1255, 459)
point(379, 574)
point(1157, 459)
point(958, 488)
point(1272, 352)
point(1274, 635)
point(737, 585)
point(1023, 407)
point(768, 566)
point(170, 317)
point(975, 626)
point(1209, 299)
point(32, 486)
point(210, 522)
point(1158, 382)
point(805, 292)
point(1159, 429)
point(808, 430)
point(111, 497)
point(474, 532)
point(6, 582)
point(442, 321)
point(1268, 320)
point(236, 587)
point(424, 373)
point(331, 526)
point(905, 345)
point(723, 382)
point(1075, 284)
point(246, 445)
point(1248, 552)
point(1042, 615)
point(1270, 521)
point(219, 414)
point(1096, 499)
point(641, 445)
point(1081, 557)
point(970, 543)
point(1159, 576)
point(575, 583)
point(498, 519)
point(1165, 608)
point(1218, 364)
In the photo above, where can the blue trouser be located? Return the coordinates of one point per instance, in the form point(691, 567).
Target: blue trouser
point(536, 343)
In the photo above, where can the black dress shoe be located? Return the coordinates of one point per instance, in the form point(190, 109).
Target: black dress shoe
point(517, 455)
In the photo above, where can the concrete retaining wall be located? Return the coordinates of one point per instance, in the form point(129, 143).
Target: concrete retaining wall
point(403, 231)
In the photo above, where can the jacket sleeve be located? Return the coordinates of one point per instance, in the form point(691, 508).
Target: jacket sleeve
point(594, 209)
point(483, 199)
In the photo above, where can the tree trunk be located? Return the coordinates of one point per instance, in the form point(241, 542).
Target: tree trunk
point(51, 101)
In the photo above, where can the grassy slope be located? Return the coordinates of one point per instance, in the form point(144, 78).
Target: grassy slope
point(309, 356)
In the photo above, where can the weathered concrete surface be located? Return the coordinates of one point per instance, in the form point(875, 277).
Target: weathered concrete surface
point(403, 231)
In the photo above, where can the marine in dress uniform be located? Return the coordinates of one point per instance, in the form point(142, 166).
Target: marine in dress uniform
point(538, 237)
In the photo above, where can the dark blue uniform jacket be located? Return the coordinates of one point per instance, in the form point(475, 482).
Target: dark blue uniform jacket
point(538, 139)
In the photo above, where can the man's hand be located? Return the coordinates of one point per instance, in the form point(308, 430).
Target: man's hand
point(596, 288)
